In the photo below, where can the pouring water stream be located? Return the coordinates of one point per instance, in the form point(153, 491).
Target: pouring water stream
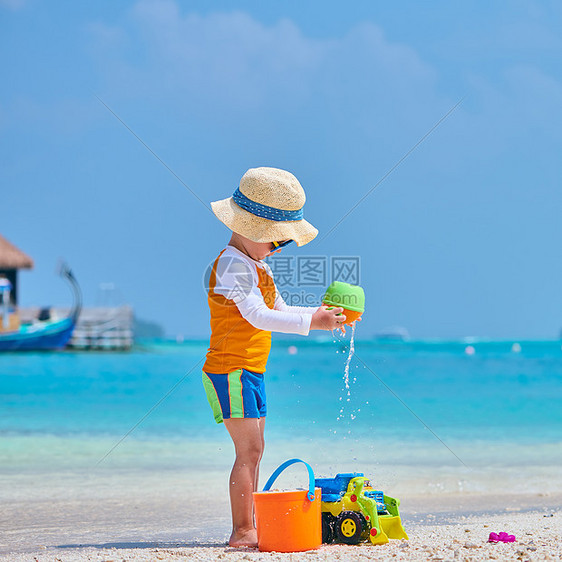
point(346, 372)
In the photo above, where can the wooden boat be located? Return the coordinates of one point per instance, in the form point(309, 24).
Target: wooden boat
point(46, 334)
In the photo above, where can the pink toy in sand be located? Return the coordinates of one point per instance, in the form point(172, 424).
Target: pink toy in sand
point(502, 537)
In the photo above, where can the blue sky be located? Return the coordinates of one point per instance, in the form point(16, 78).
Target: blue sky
point(462, 239)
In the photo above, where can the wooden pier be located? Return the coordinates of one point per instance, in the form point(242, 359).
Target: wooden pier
point(99, 328)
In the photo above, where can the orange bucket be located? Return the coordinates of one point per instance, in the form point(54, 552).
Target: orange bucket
point(288, 521)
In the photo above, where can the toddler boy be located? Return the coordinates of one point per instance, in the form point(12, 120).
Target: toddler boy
point(265, 214)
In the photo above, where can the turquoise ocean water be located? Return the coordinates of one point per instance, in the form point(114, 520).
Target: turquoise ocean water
point(409, 404)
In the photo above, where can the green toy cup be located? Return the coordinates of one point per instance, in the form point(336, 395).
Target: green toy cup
point(350, 297)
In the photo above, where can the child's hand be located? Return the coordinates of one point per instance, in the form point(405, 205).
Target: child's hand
point(327, 319)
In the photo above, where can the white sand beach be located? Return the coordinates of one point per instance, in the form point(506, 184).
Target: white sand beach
point(171, 511)
point(441, 527)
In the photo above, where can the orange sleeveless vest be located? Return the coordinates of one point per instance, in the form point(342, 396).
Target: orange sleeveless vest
point(235, 343)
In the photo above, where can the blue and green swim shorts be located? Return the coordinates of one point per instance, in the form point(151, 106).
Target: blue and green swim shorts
point(240, 394)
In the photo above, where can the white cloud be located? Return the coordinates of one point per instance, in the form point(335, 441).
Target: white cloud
point(233, 61)
point(360, 95)
point(225, 55)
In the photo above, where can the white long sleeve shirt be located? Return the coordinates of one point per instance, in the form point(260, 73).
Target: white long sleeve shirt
point(237, 280)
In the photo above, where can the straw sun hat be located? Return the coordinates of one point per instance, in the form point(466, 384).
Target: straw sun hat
point(267, 207)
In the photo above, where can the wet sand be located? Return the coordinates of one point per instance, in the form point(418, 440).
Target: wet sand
point(447, 527)
point(176, 507)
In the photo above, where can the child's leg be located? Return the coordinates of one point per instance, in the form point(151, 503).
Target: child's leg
point(248, 437)
point(261, 423)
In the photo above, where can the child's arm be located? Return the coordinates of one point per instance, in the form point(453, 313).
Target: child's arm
point(280, 304)
point(237, 281)
point(323, 318)
point(259, 315)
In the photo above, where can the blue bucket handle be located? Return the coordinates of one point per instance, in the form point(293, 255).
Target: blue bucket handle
point(280, 469)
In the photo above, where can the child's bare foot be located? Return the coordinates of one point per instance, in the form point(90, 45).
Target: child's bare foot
point(244, 538)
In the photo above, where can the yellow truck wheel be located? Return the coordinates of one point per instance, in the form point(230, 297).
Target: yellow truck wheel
point(349, 527)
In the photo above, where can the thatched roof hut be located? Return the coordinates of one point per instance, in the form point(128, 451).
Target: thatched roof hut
point(12, 259)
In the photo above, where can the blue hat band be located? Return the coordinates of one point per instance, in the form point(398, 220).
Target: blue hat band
point(264, 211)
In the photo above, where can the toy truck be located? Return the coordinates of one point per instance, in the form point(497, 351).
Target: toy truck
point(353, 511)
